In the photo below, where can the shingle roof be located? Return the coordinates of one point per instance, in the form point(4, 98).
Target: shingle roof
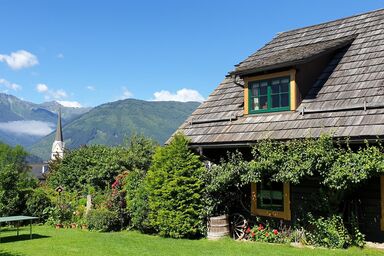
point(37, 170)
point(291, 56)
point(346, 100)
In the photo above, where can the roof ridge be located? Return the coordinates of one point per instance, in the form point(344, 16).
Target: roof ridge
point(344, 39)
point(326, 22)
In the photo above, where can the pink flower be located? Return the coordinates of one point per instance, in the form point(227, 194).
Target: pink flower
point(116, 183)
point(275, 232)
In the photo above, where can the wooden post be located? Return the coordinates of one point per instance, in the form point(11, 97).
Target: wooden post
point(382, 202)
point(89, 204)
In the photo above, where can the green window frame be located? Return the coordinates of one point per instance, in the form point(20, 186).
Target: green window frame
point(269, 95)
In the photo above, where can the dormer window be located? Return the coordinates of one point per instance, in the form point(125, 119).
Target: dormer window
point(271, 92)
point(269, 95)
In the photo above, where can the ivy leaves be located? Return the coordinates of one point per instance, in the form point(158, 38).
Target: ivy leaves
point(338, 166)
point(352, 167)
point(291, 161)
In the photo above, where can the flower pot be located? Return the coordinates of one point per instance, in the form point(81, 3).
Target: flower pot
point(58, 226)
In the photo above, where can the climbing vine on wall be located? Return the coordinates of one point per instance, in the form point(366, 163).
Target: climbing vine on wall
point(338, 166)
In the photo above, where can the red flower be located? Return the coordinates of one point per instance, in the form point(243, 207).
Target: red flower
point(115, 184)
point(248, 230)
point(266, 234)
point(275, 232)
point(252, 234)
point(260, 227)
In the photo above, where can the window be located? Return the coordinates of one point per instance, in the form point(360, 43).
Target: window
point(269, 95)
point(275, 91)
point(271, 199)
point(270, 196)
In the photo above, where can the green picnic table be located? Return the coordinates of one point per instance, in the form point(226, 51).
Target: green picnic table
point(18, 219)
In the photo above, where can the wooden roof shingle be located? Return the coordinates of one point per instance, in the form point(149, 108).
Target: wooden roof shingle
point(347, 99)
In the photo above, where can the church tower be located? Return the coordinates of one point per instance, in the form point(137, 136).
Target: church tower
point(58, 144)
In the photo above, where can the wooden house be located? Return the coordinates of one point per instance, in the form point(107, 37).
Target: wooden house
point(326, 78)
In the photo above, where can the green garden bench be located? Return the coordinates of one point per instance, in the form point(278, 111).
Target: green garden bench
point(18, 219)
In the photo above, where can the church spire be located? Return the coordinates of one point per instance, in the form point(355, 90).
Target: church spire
point(58, 145)
point(59, 133)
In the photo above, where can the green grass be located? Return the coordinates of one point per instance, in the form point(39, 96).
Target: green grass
point(49, 241)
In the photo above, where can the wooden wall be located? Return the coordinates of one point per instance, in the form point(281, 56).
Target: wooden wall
point(371, 210)
point(304, 197)
point(364, 201)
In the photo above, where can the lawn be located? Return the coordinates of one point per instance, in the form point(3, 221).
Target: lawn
point(49, 241)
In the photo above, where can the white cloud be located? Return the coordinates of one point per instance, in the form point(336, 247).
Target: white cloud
point(70, 104)
point(9, 85)
point(58, 94)
point(51, 94)
point(29, 127)
point(20, 59)
point(91, 88)
point(126, 93)
point(182, 95)
point(41, 88)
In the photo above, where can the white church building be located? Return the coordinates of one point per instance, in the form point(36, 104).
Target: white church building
point(58, 145)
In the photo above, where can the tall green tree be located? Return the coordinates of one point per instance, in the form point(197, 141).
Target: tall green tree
point(175, 191)
point(15, 180)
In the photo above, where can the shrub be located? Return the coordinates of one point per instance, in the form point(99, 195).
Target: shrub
point(36, 202)
point(137, 200)
point(224, 185)
point(62, 207)
point(330, 233)
point(358, 238)
point(103, 220)
point(116, 200)
point(175, 191)
point(265, 233)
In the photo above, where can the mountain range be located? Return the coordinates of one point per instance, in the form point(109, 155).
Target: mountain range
point(24, 123)
point(32, 125)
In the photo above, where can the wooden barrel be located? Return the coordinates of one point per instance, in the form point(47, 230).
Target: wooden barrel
point(218, 227)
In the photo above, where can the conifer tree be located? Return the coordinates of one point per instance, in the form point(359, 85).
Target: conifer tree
point(175, 188)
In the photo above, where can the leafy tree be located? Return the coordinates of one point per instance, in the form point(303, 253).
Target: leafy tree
point(96, 166)
point(175, 191)
point(139, 153)
point(15, 181)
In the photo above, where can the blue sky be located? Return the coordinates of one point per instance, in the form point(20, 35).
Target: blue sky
point(91, 52)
